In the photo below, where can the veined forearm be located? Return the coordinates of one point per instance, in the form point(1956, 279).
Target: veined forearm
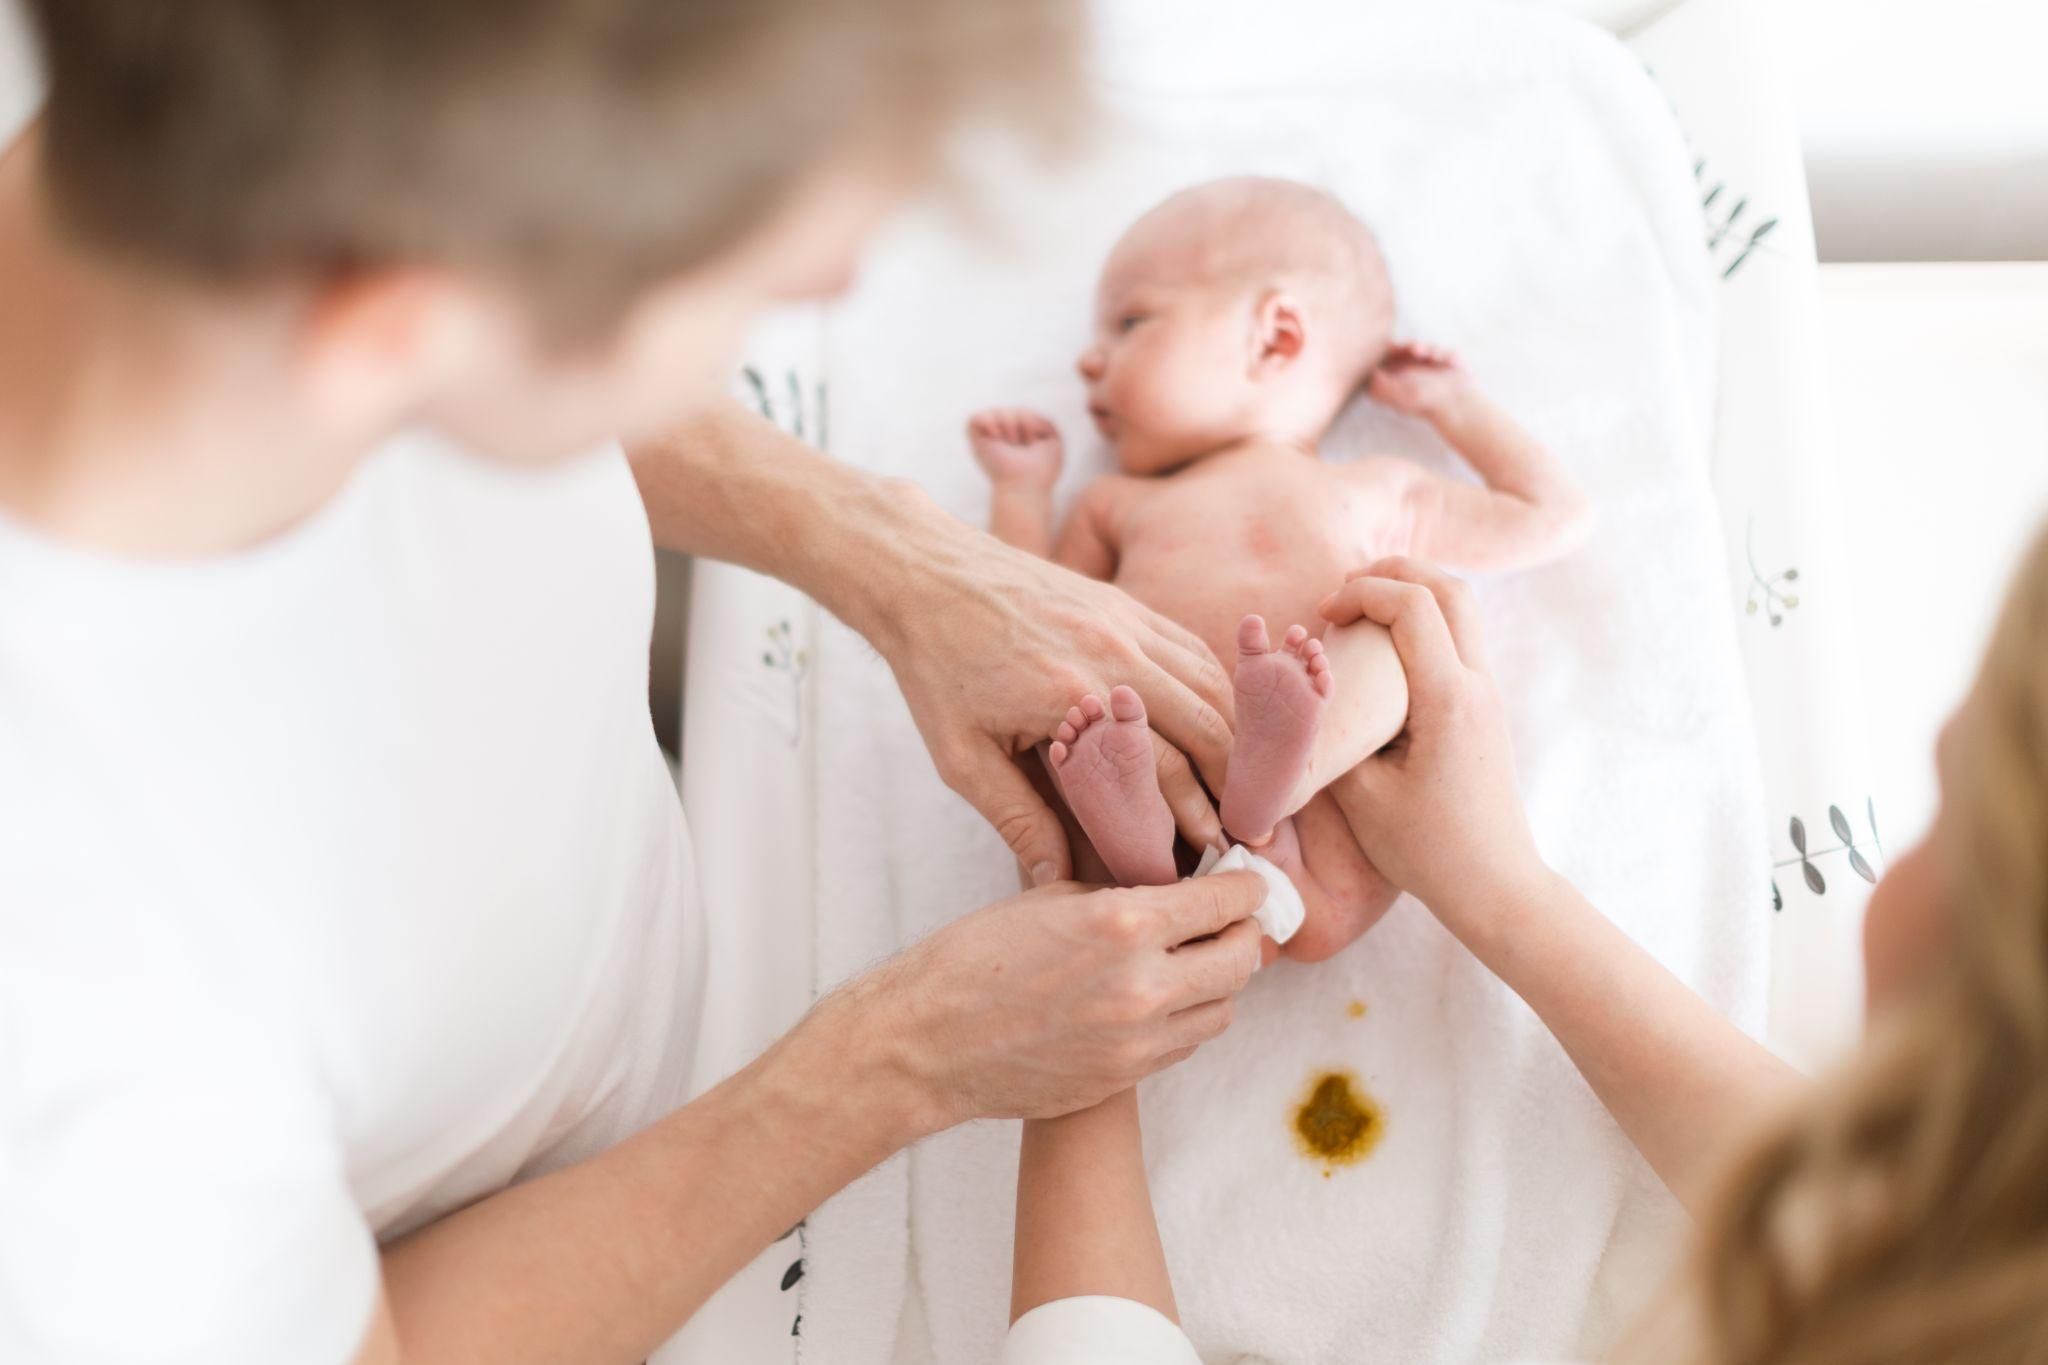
point(1686, 1085)
point(728, 485)
point(604, 1260)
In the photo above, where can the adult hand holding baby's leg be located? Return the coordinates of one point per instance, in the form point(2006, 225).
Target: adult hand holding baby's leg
point(1437, 810)
point(992, 648)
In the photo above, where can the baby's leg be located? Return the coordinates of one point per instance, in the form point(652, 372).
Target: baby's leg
point(1084, 1213)
point(1102, 759)
point(1306, 712)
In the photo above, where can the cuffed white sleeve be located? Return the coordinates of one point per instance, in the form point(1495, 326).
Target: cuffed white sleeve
point(1097, 1330)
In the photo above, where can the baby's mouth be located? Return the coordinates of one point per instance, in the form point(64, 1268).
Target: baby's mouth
point(1102, 416)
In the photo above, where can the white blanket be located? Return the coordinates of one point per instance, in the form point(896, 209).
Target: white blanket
point(1537, 208)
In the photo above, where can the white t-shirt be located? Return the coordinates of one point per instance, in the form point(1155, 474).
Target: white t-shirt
point(341, 883)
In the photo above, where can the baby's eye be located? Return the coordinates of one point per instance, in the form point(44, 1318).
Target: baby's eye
point(1128, 321)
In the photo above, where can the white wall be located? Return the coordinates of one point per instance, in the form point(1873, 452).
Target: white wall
point(1925, 125)
point(1940, 380)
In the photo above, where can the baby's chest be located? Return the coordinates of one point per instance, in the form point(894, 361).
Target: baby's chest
point(1300, 529)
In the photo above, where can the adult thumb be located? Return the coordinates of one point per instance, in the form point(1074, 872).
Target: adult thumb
point(997, 787)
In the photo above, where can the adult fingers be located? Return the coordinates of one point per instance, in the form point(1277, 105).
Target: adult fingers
point(1214, 969)
point(1191, 1028)
point(994, 785)
point(1429, 656)
point(1199, 906)
point(1453, 596)
point(1194, 815)
point(1187, 720)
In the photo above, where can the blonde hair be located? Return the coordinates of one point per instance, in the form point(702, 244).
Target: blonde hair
point(1904, 1215)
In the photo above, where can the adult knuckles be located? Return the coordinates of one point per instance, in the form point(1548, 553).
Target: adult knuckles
point(1120, 921)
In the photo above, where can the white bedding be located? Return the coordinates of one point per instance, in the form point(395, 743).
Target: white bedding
point(758, 783)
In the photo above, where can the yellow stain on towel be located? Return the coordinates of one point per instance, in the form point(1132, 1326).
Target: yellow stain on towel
point(1338, 1123)
point(1356, 1009)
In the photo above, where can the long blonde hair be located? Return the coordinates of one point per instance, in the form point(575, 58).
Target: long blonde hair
point(1903, 1216)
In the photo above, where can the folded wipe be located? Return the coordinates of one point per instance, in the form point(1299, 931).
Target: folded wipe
point(1282, 913)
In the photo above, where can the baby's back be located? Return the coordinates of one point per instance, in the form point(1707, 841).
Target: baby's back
point(1269, 530)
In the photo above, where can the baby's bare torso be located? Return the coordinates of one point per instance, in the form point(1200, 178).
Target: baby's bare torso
point(1269, 530)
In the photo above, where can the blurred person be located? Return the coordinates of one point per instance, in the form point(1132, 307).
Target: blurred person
point(1897, 1212)
point(350, 960)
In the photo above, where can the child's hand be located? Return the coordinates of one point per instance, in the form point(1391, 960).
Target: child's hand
point(1016, 446)
point(1419, 380)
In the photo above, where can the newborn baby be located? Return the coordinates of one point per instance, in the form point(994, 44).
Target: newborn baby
point(1233, 323)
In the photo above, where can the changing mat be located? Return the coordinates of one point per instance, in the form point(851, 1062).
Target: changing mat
point(1538, 211)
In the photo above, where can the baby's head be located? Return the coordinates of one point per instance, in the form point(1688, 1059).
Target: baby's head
point(1239, 308)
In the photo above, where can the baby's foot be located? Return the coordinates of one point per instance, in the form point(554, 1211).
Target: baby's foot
point(1016, 446)
point(1281, 694)
point(1103, 760)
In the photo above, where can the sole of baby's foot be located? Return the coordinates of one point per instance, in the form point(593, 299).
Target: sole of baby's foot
point(1102, 757)
point(1281, 694)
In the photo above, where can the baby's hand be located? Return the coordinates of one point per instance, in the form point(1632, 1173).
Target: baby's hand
point(1419, 380)
point(1016, 446)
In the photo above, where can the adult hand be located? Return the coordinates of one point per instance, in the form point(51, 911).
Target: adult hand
point(1437, 810)
point(1058, 998)
point(991, 646)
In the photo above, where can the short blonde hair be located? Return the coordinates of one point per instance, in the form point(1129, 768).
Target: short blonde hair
point(583, 148)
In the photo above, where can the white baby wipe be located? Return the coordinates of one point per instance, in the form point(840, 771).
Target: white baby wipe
point(1282, 913)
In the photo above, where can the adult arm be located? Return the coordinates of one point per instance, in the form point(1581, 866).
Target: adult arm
point(1037, 1006)
point(989, 644)
point(1438, 813)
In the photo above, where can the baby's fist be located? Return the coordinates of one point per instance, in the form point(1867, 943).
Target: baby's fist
point(1419, 380)
point(1016, 446)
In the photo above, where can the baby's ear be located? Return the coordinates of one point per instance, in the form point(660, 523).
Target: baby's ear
point(1282, 331)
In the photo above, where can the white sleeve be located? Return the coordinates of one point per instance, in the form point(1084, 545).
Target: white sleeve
point(172, 1187)
point(1097, 1330)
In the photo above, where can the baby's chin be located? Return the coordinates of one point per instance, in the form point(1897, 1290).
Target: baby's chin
point(1140, 452)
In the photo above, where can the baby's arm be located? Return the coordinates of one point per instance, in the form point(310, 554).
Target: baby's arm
point(1529, 510)
point(1021, 452)
point(1089, 542)
point(1084, 1212)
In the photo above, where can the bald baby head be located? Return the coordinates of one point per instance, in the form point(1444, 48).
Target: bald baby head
point(1240, 307)
point(1264, 233)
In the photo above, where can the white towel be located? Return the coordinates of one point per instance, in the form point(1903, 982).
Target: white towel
point(1536, 205)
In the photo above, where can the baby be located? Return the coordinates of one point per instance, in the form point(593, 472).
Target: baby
point(1233, 323)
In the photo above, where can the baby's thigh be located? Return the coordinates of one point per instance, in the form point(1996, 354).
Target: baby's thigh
point(1354, 894)
point(1369, 705)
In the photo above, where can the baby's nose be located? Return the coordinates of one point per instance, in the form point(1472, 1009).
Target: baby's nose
point(1090, 363)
